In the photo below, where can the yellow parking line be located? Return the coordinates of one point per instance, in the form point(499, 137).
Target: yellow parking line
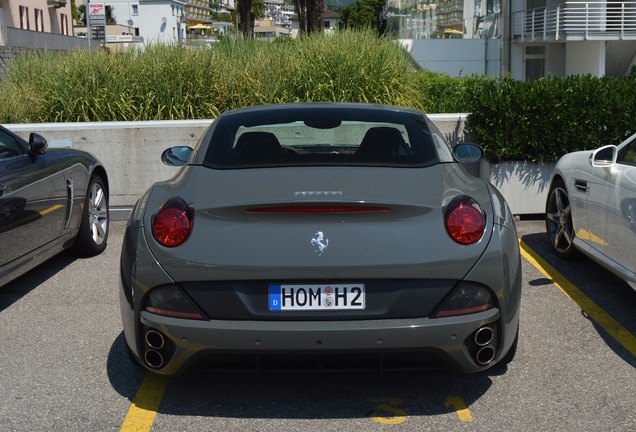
point(50, 209)
point(389, 405)
point(460, 407)
point(602, 318)
point(144, 408)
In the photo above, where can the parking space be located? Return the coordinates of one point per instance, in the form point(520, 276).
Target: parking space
point(63, 365)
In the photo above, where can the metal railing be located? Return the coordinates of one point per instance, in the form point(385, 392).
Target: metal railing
point(582, 20)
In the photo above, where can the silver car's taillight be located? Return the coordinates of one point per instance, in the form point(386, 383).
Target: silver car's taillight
point(172, 223)
point(465, 221)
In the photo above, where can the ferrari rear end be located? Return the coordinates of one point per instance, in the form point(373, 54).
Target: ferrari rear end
point(321, 236)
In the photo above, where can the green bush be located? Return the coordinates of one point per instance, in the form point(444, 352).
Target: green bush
point(443, 93)
point(541, 120)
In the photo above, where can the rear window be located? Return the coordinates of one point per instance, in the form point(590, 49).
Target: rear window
point(320, 136)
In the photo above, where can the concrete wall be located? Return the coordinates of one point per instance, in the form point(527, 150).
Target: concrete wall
point(131, 151)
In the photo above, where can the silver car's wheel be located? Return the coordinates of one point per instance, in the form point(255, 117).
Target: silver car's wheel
point(93, 232)
point(558, 220)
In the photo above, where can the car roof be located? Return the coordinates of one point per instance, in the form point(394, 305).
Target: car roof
point(324, 105)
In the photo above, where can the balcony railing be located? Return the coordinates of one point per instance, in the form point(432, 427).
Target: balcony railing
point(56, 3)
point(577, 21)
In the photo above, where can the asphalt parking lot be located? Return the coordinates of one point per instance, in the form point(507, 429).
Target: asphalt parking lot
point(63, 365)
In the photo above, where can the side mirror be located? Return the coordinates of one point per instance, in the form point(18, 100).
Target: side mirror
point(176, 156)
point(468, 153)
point(37, 144)
point(604, 157)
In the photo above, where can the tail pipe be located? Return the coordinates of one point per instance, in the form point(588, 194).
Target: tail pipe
point(157, 348)
point(153, 358)
point(482, 345)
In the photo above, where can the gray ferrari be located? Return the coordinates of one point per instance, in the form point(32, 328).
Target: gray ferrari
point(321, 236)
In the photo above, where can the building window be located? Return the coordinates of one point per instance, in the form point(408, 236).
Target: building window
point(24, 17)
point(535, 62)
point(135, 9)
point(327, 24)
point(39, 20)
point(64, 24)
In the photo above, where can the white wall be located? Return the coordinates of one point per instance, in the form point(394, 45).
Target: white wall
point(556, 59)
point(157, 24)
point(456, 56)
point(585, 58)
point(157, 21)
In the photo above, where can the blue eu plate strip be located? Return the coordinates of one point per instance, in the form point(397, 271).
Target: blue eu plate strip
point(274, 297)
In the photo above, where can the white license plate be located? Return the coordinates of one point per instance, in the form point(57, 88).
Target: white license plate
point(316, 297)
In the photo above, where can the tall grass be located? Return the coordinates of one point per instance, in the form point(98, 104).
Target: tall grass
point(177, 82)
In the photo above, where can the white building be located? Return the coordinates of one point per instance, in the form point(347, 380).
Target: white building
point(37, 24)
point(155, 21)
point(527, 38)
point(567, 38)
point(330, 22)
point(279, 12)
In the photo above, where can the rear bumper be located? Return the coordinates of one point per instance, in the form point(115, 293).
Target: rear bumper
point(435, 343)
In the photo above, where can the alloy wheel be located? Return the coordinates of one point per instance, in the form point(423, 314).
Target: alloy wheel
point(559, 220)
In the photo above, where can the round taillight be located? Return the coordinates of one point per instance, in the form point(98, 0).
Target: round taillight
point(465, 222)
point(172, 224)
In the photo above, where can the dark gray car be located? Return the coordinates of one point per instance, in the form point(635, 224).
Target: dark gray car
point(323, 236)
point(50, 200)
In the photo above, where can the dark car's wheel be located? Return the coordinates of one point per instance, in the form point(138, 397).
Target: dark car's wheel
point(93, 232)
point(558, 220)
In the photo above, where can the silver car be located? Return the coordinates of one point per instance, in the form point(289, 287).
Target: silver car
point(327, 236)
point(591, 207)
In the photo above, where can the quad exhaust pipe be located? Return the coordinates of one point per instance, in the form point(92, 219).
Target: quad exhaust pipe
point(484, 336)
point(485, 351)
point(158, 349)
point(485, 355)
point(153, 358)
point(154, 339)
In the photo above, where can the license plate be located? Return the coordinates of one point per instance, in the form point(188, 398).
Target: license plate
point(316, 297)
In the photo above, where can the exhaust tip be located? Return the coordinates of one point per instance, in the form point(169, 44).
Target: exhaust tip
point(154, 359)
point(155, 339)
point(484, 336)
point(485, 355)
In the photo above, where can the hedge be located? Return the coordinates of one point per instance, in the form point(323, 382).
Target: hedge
point(539, 121)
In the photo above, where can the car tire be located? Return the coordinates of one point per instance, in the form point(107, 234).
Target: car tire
point(93, 232)
point(558, 221)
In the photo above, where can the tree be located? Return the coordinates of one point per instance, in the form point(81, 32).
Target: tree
point(315, 9)
point(364, 14)
point(247, 11)
point(74, 11)
point(310, 15)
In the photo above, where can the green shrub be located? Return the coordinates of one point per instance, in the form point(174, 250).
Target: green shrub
point(541, 120)
point(443, 93)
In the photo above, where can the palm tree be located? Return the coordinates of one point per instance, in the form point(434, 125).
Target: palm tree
point(248, 10)
point(310, 15)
